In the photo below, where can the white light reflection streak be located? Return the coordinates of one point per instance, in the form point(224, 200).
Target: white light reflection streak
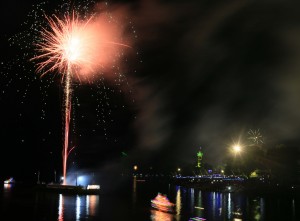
point(61, 208)
point(214, 198)
point(229, 206)
point(214, 204)
point(78, 208)
point(192, 196)
point(87, 205)
point(220, 203)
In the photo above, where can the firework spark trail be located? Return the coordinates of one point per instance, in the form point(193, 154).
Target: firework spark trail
point(66, 151)
point(72, 47)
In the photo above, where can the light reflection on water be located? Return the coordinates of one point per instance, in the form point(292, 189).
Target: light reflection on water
point(85, 206)
point(178, 201)
point(199, 205)
point(77, 208)
point(293, 208)
point(229, 205)
point(135, 205)
point(190, 202)
point(161, 216)
point(91, 204)
point(61, 208)
point(7, 186)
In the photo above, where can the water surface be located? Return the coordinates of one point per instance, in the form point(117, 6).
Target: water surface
point(132, 202)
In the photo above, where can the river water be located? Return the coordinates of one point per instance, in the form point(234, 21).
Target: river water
point(132, 202)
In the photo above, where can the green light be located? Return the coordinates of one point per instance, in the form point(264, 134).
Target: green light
point(199, 156)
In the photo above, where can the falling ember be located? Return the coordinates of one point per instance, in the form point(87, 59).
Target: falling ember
point(75, 48)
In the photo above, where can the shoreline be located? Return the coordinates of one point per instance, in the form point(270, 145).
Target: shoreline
point(243, 186)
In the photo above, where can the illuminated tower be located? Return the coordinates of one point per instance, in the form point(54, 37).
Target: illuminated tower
point(199, 159)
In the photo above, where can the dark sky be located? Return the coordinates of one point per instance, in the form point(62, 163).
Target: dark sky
point(206, 72)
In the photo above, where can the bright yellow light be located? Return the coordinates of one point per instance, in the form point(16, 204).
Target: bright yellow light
point(237, 148)
point(178, 169)
point(135, 167)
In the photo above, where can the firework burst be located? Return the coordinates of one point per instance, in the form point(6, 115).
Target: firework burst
point(75, 47)
point(255, 137)
point(102, 29)
point(64, 47)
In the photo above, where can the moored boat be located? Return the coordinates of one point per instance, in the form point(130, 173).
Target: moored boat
point(9, 181)
point(70, 189)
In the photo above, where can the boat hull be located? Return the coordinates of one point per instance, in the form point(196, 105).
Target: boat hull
point(68, 189)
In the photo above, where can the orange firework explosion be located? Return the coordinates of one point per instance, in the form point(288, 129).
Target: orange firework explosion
point(65, 46)
point(75, 47)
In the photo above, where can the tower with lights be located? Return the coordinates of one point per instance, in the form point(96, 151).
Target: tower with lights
point(199, 159)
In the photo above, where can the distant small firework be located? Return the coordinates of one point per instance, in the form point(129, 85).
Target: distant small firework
point(255, 137)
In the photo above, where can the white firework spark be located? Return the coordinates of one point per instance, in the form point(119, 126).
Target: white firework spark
point(255, 137)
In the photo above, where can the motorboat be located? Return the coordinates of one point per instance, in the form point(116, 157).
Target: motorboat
point(9, 181)
point(162, 203)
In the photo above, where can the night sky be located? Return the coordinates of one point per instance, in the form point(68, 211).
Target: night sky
point(198, 74)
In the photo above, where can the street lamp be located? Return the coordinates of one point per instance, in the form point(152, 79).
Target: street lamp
point(237, 163)
point(135, 168)
point(178, 171)
point(237, 148)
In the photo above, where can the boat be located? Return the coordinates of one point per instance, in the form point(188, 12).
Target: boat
point(162, 203)
point(70, 189)
point(9, 181)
